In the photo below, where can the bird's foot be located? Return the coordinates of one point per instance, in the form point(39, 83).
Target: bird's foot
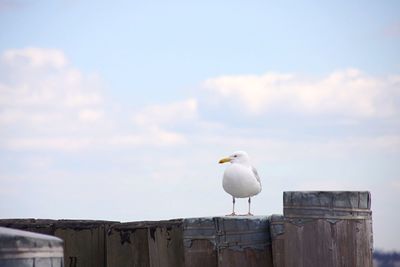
point(232, 214)
point(247, 214)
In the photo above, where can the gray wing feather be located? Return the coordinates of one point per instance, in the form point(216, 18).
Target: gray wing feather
point(256, 174)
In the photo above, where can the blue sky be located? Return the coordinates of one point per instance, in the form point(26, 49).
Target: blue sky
point(122, 110)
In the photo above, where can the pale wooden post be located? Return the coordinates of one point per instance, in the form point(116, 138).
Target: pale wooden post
point(330, 229)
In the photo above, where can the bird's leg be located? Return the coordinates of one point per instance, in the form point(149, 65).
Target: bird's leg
point(249, 213)
point(233, 205)
point(233, 208)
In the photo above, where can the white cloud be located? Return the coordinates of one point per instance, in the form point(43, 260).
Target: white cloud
point(150, 136)
point(350, 93)
point(276, 149)
point(153, 121)
point(166, 114)
point(40, 90)
point(90, 115)
point(47, 104)
point(47, 143)
point(35, 57)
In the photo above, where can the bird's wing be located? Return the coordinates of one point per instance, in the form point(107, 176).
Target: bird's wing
point(256, 174)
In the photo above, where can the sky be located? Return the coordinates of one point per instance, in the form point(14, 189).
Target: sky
point(120, 110)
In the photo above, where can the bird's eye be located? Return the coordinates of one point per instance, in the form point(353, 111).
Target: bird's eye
point(235, 156)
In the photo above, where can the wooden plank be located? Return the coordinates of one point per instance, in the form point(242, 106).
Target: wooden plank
point(201, 253)
point(330, 229)
point(227, 241)
point(277, 239)
point(200, 248)
point(244, 241)
point(127, 245)
point(84, 242)
point(165, 241)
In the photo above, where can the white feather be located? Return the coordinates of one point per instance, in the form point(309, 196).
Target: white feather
point(240, 179)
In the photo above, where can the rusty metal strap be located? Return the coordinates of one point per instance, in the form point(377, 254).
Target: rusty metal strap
point(199, 237)
point(240, 245)
point(327, 209)
point(330, 217)
point(276, 222)
point(199, 227)
point(326, 213)
point(243, 232)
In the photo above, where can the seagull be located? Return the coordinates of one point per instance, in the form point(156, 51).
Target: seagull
point(241, 180)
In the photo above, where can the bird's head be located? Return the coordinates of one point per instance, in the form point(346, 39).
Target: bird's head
point(237, 157)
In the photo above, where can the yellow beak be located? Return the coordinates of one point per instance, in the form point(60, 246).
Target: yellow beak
point(224, 160)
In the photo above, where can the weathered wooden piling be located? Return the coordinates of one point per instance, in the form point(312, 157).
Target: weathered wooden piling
point(330, 229)
point(27, 249)
point(317, 229)
point(227, 241)
point(217, 241)
point(84, 242)
point(199, 241)
point(277, 240)
point(152, 244)
point(127, 245)
point(166, 244)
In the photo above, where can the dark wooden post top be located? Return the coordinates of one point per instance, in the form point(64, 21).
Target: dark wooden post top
point(327, 204)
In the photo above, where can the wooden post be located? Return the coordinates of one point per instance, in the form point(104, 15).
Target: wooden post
point(127, 245)
point(227, 241)
point(244, 242)
point(330, 229)
point(145, 244)
point(277, 239)
point(84, 242)
point(166, 244)
point(195, 242)
point(199, 240)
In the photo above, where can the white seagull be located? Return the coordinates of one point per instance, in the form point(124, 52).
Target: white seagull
point(240, 180)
